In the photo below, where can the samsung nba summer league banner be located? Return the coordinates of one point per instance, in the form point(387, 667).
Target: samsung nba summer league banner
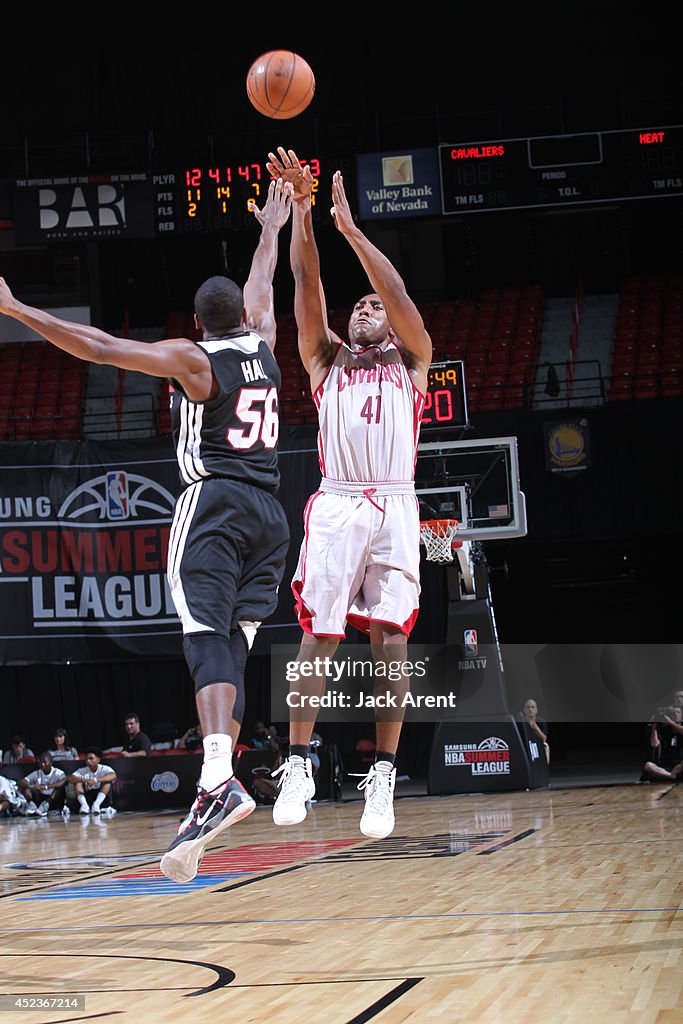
point(403, 183)
point(84, 530)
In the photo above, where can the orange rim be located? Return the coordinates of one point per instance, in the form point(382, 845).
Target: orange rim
point(439, 526)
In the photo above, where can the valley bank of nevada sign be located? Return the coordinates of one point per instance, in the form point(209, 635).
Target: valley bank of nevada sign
point(402, 183)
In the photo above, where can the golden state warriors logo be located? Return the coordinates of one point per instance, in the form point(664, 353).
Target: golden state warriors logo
point(566, 446)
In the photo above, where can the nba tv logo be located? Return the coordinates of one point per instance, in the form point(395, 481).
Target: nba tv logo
point(471, 645)
point(117, 495)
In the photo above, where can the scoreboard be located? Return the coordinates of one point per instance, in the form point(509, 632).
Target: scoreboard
point(561, 170)
point(474, 177)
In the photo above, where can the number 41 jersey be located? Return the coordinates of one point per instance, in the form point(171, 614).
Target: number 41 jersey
point(369, 415)
point(235, 434)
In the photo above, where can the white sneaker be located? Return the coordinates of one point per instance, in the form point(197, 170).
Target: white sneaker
point(66, 813)
point(31, 810)
point(377, 821)
point(85, 810)
point(108, 812)
point(43, 808)
point(296, 787)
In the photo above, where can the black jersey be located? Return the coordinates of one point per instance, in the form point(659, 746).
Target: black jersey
point(235, 434)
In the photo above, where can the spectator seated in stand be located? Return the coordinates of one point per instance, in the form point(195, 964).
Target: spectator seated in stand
point(12, 802)
point(62, 750)
point(163, 735)
point(191, 739)
point(17, 752)
point(45, 789)
point(666, 747)
point(138, 744)
point(264, 738)
point(536, 729)
point(93, 785)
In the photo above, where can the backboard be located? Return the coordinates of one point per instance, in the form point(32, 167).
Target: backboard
point(475, 482)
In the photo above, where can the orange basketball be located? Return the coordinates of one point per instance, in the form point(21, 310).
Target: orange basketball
point(280, 84)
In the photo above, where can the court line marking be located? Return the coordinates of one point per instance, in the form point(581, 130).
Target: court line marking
point(224, 975)
point(133, 925)
point(508, 842)
point(262, 878)
point(384, 1001)
point(42, 886)
point(145, 857)
point(90, 1016)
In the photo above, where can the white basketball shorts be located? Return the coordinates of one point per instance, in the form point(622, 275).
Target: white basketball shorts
point(359, 563)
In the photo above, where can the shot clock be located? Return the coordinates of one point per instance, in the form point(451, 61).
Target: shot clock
point(446, 398)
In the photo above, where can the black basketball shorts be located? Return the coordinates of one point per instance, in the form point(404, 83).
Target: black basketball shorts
point(226, 554)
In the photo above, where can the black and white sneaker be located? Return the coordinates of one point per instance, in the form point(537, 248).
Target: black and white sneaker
point(211, 813)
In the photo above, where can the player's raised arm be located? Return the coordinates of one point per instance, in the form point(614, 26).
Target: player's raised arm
point(177, 358)
point(316, 341)
point(404, 316)
point(258, 291)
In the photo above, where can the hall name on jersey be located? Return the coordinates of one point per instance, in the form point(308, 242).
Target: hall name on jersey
point(390, 374)
point(253, 370)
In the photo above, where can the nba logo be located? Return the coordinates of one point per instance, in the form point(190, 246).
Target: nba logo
point(117, 496)
point(471, 646)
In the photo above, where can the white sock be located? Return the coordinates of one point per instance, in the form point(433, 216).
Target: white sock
point(99, 800)
point(217, 766)
point(83, 802)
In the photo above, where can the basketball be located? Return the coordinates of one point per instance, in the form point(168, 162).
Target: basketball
point(280, 84)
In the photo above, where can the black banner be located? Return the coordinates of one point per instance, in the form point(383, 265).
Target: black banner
point(84, 529)
point(68, 209)
point(478, 756)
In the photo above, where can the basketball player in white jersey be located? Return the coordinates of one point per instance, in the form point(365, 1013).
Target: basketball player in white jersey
point(359, 561)
point(230, 535)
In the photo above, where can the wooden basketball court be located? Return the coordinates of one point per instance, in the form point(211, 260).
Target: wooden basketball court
point(553, 905)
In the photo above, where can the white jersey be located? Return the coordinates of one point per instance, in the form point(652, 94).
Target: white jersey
point(51, 778)
point(95, 777)
point(369, 415)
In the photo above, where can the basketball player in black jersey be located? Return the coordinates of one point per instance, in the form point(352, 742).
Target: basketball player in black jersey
point(230, 535)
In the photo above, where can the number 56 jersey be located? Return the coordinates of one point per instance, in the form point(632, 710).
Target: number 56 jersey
point(369, 415)
point(233, 435)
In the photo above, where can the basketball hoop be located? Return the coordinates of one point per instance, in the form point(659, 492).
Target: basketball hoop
point(438, 535)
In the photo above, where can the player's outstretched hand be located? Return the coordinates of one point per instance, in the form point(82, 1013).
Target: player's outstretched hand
point(7, 301)
point(341, 211)
point(278, 204)
point(286, 165)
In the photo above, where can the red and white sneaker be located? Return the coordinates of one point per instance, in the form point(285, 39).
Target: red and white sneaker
point(212, 812)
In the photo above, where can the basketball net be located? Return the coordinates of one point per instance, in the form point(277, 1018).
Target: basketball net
point(438, 535)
